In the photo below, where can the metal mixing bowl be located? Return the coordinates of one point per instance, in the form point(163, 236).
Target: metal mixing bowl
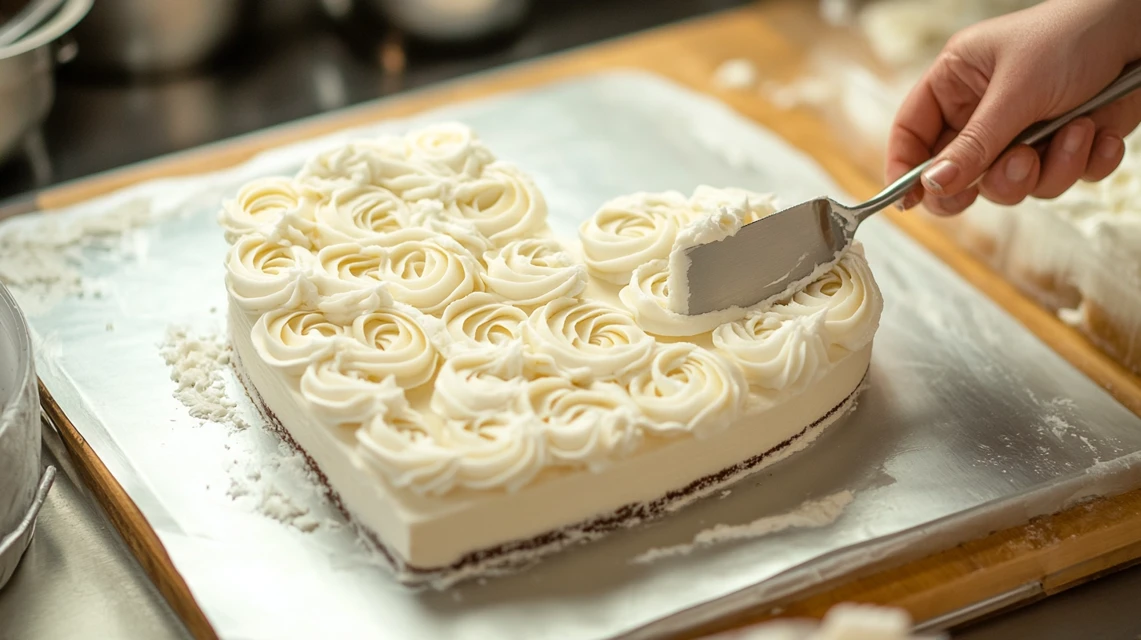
point(155, 36)
point(19, 431)
point(26, 79)
point(448, 20)
point(435, 21)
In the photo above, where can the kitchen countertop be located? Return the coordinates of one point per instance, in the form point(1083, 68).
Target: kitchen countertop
point(78, 579)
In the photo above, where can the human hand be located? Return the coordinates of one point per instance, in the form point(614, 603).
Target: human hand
point(995, 79)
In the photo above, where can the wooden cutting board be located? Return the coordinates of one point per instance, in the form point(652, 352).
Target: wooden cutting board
point(1012, 566)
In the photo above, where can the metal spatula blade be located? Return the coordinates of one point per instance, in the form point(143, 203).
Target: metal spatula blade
point(780, 249)
point(764, 258)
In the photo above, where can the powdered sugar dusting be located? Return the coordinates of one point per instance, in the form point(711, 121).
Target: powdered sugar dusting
point(197, 363)
point(278, 486)
point(272, 486)
point(810, 515)
point(42, 258)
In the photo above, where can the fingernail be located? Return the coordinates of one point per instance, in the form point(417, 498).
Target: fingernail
point(909, 201)
point(939, 176)
point(1018, 167)
point(1110, 147)
point(1072, 142)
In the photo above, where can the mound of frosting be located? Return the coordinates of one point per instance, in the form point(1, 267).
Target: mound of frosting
point(409, 291)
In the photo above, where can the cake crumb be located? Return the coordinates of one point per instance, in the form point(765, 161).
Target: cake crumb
point(110, 326)
point(810, 515)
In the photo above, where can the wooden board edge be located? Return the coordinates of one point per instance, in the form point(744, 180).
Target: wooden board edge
point(129, 521)
point(1077, 544)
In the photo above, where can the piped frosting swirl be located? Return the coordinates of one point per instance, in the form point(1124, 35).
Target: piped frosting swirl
point(420, 269)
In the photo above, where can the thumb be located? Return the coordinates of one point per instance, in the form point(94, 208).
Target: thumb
point(1000, 116)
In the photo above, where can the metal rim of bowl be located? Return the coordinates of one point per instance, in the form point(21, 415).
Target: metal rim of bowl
point(67, 17)
point(25, 371)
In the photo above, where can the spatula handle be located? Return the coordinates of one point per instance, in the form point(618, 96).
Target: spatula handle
point(1127, 82)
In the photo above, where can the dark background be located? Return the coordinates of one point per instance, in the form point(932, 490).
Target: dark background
point(100, 122)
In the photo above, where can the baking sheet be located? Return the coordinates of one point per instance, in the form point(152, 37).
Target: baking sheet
point(969, 421)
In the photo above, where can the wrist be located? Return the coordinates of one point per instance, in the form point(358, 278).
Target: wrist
point(1114, 25)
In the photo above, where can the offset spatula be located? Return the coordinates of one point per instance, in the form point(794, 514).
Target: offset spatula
point(764, 258)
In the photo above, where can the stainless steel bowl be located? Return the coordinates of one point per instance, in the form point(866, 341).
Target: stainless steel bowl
point(19, 435)
point(451, 20)
point(154, 36)
point(26, 78)
point(435, 21)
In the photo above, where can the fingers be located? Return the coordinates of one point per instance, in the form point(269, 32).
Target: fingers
point(950, 205)
point(1108, 151)
point(1114, 122)
point(1065, 158)
point(914, 132)
point(1000, 116)
point(1012, 177)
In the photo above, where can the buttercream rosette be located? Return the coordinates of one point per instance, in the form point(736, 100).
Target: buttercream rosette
point(585, 340)
point(688, 389)
point(264, 276)
point(533, 271)
point(274, 207)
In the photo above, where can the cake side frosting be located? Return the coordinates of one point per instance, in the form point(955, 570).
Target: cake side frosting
point(405, 298)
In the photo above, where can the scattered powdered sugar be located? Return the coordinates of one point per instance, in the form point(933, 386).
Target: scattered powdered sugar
point(1058, 426)
point(197, 363)
point(42, 257)
point(279, 485)
point(271, 485)
point(810, 515)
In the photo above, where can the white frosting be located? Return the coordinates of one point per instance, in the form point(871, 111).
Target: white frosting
point(404, 448)
point(290, 339)
point(359, 213)
point(848, 297)
point(478, 383)
point(481, 321)
point(430, 272)
point(690, 389)
point(585, 340)
point(503, 204)
point(588, 426)
point(409, 294)
point(776, 351)
point(631, 230)
point(349, 266)
point(449, 148)
point(342, 394)
point(502, 449)
point(262, 204)
point(750, 206)
point(431, 215)
point(392, 342)
point(533, 271)
point(264, 276)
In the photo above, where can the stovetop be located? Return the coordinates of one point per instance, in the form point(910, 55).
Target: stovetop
point(98, 124)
